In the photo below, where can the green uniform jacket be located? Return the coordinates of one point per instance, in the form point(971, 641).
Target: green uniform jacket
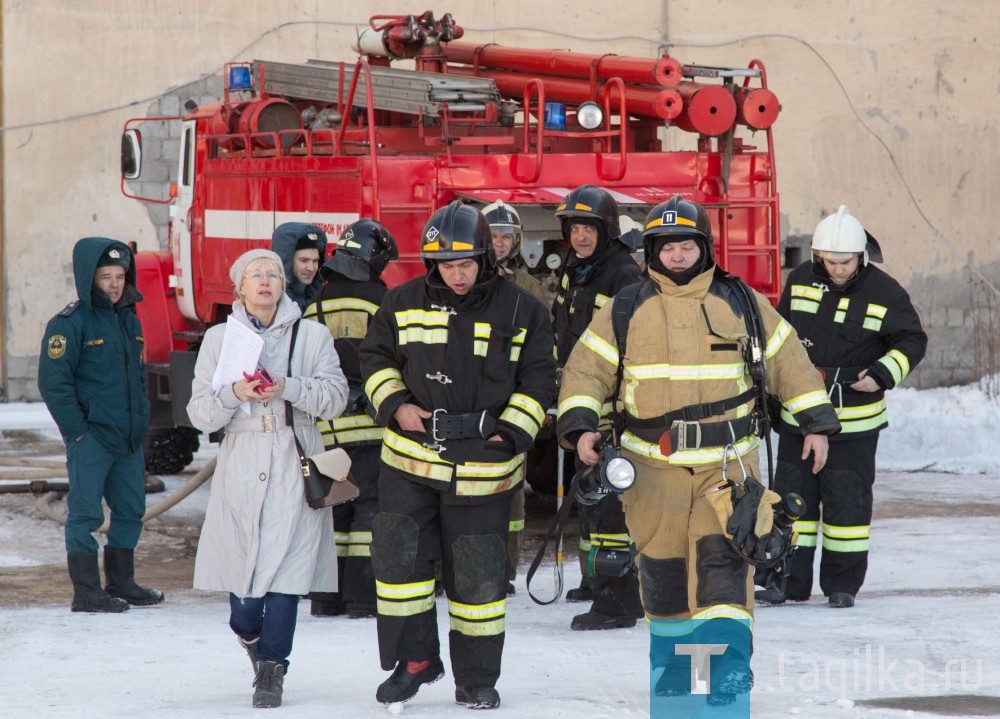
point(91, 372)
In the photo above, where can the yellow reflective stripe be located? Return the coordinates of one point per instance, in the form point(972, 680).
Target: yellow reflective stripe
point(515, 525)
point(491, 628)
point(409, 608)
point(805, 540)
point(404, 600)
point(844, 303)
point(897, 363)
point(873, 325)
point(352, 421)
point(343, 541)
point(781, 333)
point(877, 311)
point(481, 343)
point(585, 545)
point(579, 401)
point(524, 412)
point(599, 346)
point(671, 627)
point(353, 436)
point(805, 401)
point(600, 300)
point(612, 541)
point(427, 327)
point(685, 372)
point(845, 545)
point(478, 620)
point(413, 458)
point(342, 304)
point(806, 526)
point(486, 487)
point(838, 317)
point(384, 383)
point(359, 550)
point(428, 318)
point(687, 457)
point(489, 469)
point(725, 611)
point(860, 531)
point(807, 292)
point(807, 306)
point(408, 590)
point(863, 411)
point(423, 335)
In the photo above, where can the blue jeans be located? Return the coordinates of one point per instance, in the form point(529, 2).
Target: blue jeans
point(272, 618)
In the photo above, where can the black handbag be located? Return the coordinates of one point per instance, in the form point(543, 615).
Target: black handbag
point(321, 491)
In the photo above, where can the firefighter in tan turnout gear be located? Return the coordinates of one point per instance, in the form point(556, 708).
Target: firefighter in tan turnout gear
point(351, 294)
point(860, 328)
point(690, 414)
point(458, 366)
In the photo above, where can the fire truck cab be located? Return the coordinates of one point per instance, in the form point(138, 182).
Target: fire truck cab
point(331, 142)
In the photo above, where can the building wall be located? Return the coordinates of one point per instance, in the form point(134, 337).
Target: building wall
point(886, 107)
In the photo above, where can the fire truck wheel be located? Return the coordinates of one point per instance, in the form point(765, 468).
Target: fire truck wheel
point(168, 451)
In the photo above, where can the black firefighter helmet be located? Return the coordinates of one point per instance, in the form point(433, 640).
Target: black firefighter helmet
point(594, 206)
point(457, 232)
point(679, 219)
point(365, 248)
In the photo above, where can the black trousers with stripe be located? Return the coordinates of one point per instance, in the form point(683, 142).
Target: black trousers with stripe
point(417, 525)
point(839, 498)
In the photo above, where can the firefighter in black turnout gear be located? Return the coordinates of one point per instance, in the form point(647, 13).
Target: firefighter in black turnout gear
point(352, 292)
point(458, 367)
point(860, 329)
point(597, 266)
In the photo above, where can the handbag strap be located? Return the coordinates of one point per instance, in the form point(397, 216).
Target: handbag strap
point(289, 412)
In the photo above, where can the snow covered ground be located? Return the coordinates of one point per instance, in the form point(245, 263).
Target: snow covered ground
point(922, 638)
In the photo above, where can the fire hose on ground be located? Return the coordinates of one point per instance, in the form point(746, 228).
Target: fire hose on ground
point(49, 492)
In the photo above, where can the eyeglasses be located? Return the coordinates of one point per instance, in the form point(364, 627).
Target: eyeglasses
point(259, 277)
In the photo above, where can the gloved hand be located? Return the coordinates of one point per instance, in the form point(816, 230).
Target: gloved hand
point(752, 521)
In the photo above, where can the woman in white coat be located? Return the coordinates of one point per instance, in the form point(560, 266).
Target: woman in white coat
point(260, 541)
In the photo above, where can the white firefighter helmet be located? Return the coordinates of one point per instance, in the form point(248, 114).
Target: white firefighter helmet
point(502, 216)
point(840, 235)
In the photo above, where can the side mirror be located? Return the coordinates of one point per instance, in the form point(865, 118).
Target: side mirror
point(131, 154)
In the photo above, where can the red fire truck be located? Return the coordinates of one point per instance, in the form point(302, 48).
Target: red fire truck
point(330, 142)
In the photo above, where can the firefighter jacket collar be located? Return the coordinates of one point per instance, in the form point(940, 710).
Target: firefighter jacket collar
point(439, 293)
point(697, 287)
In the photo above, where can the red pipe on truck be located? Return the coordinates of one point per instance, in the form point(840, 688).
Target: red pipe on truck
point(664, 71)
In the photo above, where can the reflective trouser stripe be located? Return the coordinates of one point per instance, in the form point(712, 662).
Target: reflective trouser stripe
point(845, 539)
point(478, 620)
point(404, 600)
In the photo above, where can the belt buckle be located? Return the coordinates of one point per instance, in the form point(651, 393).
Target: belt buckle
point(267, 423)
point(682, 439)
point(438, 443)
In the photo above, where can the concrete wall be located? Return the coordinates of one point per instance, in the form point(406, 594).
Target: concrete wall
point(887, 107)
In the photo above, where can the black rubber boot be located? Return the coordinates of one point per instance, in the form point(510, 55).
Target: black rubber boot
point(841, 600)
point(87, 593)
point(268, 685)
point(583, 593)
point(594, 620)
point(326, 604)
point(731, 675)
point(119, 569)
point(402, 685)
point(477, 697)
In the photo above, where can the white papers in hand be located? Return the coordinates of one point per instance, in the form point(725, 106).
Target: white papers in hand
point(241, 348)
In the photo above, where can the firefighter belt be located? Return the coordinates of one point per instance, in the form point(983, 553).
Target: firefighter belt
point(690, 435)
point(473, 425)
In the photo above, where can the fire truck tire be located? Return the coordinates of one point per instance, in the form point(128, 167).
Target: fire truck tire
point(168, 451)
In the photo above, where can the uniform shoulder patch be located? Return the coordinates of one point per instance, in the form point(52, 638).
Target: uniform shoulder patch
point(69, 309)
point(56, 346)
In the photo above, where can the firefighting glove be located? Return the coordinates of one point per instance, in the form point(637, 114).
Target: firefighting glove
point(752, 522)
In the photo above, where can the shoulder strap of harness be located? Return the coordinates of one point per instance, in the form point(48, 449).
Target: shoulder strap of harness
point(622, 308)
